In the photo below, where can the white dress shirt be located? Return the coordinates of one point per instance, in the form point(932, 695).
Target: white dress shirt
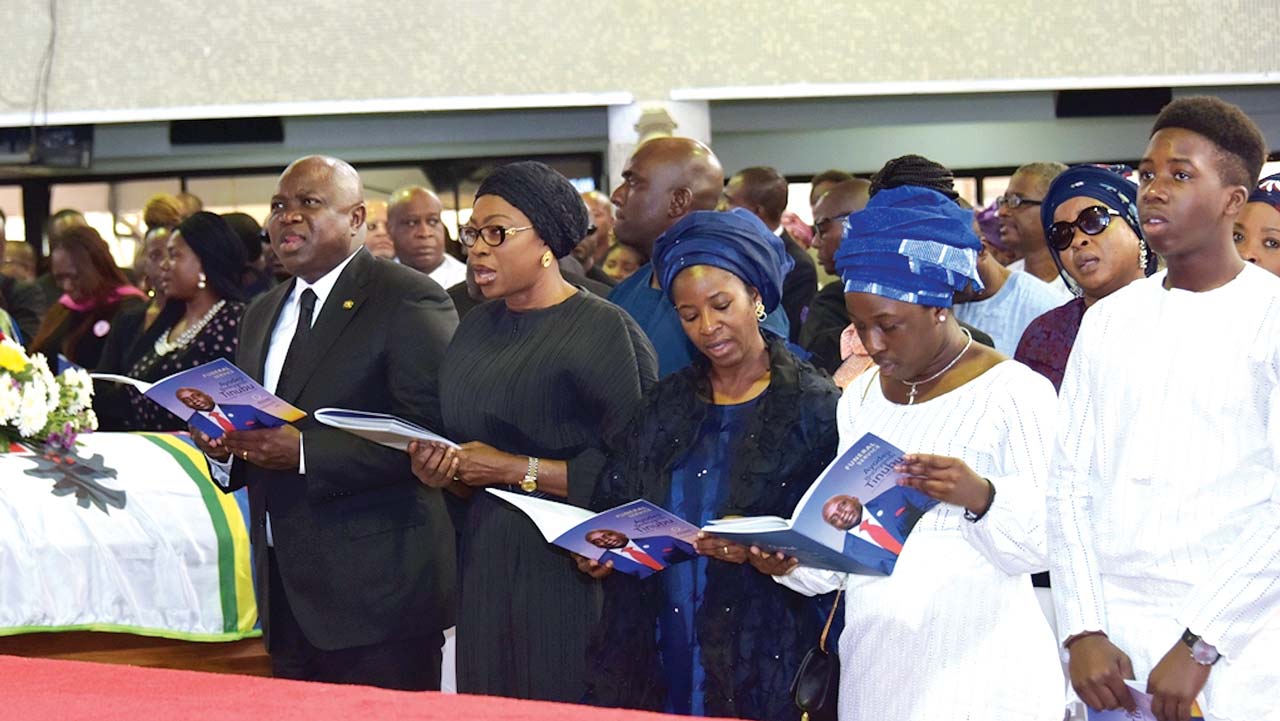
point(1164, 505)
point(1006, 315)
point(955, 632)
point(449, 273)
point(281, 337)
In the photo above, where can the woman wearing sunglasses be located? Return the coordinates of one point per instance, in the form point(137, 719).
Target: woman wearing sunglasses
point(535, 384)
point(1257, 230)
point(1091, 222)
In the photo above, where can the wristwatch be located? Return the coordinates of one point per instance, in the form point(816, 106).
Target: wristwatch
point(1203, 653)
point(529, 483)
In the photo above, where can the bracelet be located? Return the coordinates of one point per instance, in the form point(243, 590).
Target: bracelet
point(1083, 634)
point(991, 498)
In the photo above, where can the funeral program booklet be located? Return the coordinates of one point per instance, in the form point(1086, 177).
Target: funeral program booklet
point(638, 537)
point(215, 398)
point(1142, 710)
point(854, 518)
point(388, 430)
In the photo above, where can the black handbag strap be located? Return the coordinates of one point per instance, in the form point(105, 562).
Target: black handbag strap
point(822, 643)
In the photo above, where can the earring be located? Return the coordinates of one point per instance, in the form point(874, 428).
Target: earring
point(760, 312)
point(201, 281)
point(1142, 255)
point(942, 317)
point(548, 259)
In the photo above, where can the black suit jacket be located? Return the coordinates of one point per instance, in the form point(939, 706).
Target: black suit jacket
point(365, 551)
point(799, 287)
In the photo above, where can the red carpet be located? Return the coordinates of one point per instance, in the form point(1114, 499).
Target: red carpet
point(43, 690)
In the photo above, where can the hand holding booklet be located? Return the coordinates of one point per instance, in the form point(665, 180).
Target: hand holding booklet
point(214, 398)
point(640, 538)
point(1142, 707)
point(855, 517)
point(382, 428)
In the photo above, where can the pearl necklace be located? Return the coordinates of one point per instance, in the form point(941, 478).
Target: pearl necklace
point(164, 346)
point(911, 394)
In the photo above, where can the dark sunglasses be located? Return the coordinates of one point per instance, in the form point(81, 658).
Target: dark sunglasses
point(1090, 221)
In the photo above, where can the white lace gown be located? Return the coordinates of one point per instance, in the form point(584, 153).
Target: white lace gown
point(956, 631)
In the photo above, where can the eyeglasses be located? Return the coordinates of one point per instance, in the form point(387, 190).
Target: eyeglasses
point(821, 226)
point(492, 235)
point(1013, 200)
point(1090, 221)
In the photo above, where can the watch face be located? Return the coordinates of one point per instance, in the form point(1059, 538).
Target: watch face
point(1203, 653)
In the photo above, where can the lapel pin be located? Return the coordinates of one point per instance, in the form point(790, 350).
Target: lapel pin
point(348, 304)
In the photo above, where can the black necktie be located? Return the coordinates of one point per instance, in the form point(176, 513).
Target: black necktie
point(298, 346)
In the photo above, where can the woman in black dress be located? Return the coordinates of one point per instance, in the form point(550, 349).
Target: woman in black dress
point(535, 384)
point(200, 279)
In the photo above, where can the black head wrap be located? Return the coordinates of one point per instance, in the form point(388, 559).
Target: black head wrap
point(915, 170)
point(546, 197)
point(220, 251)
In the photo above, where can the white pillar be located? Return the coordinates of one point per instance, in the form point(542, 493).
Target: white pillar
point(629, 125)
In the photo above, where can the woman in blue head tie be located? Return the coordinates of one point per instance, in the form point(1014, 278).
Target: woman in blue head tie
point(743, 430)
point(955, 630)
point(1090, 217)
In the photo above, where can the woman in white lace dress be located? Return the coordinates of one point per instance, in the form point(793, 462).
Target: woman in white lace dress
point(955, 631)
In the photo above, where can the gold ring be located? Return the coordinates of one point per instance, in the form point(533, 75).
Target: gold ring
point(244, 455)
point(725, 550)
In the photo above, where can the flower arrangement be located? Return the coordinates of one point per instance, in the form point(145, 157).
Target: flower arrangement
point(36, 406)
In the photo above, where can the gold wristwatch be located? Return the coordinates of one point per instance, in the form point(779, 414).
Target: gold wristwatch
point(529, 483)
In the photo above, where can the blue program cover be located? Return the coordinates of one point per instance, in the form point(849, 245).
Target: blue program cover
point(215, 398)
point(854, 518)
point(639, 537)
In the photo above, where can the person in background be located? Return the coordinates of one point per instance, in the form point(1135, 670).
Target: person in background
point(418, 234)
point(1257, 230)
point(535, 385)
point(743, 430)
point(201, 277)
point(821, 183)
point(955, 631)
point(763, 191)
point(1099, 254)
point(1018, 213)
point(54, 227)
point(95, 292)
point(1164, 504)
point(377, 238)
point(988, 220)
point(665, 179)
point(828, 317)
point(21, 299)
point(190, 204)
point(1006, 302)
point(254, 279)
point(18, 261)
point(622, 261)
point(160, 215)
point(595, 246)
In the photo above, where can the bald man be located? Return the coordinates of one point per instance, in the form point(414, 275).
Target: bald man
point(664, 180)
point(828, 317)
point(353, 557)
point(417, 232)
point(376, 238)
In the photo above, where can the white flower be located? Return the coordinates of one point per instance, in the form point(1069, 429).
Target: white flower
point(33, 412)
point(10, 399)
point(80, 385)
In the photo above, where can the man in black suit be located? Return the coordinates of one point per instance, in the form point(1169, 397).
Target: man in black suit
point(354, 559)
point(763, 191)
